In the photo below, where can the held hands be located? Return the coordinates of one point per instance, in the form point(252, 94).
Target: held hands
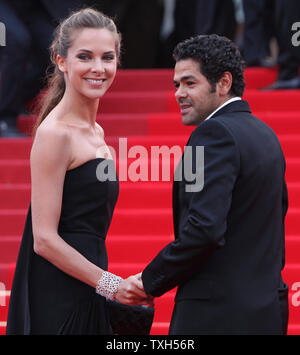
point(131, 292)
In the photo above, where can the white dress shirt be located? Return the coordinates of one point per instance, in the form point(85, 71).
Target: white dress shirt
point(225, 103)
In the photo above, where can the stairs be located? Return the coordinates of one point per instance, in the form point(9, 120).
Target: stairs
point(141, 108)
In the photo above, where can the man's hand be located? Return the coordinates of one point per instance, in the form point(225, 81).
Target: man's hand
point(131, 292)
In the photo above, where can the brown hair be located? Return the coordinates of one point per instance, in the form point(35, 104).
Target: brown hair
point(63, 39)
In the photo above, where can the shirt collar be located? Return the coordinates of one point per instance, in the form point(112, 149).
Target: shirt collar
point(225, 103)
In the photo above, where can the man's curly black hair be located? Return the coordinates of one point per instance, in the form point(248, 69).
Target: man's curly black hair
point(216, 55)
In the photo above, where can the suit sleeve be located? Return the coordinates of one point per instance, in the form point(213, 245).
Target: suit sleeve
point(203, 228)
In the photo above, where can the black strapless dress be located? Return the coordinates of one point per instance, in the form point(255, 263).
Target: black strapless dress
point(45, 300)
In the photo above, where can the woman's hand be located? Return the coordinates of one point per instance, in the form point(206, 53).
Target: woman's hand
point(131, 292)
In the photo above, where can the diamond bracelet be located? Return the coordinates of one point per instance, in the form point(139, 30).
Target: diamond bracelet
point(108, 285)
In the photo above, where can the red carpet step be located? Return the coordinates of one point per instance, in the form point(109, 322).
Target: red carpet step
point(18, 171)
point(131, 222)
point(139, 249)
point(151, 195)
point(164, 304)
point(169, 124)
point(164, 130)
point(162, 79)
point(164, 101)
point(283, 123)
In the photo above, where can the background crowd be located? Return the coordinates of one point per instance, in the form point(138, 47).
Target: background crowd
point(150, 29)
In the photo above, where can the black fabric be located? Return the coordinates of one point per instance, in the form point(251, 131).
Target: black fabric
point(45, 300)
point(130, 320)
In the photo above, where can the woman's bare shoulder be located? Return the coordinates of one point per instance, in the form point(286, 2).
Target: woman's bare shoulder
point(100, 129)
point(52, 140)
point(53, 129)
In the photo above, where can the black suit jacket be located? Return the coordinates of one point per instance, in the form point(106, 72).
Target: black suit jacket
point(228, 251)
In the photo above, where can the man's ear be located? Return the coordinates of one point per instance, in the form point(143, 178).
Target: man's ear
point(225, 84)
point(61, 63)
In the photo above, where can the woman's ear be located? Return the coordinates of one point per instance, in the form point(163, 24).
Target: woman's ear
point(61, 63)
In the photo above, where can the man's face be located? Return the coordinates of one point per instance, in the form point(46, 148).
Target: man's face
point(193, 92)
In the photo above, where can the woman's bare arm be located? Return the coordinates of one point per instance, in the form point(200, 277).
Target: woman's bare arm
point(50, 158)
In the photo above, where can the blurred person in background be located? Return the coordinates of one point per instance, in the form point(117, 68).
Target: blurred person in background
point(286, 14)
point(25, 58)
point(258, 31)
point(139, 22)
point(265, 20)
point(185, 19)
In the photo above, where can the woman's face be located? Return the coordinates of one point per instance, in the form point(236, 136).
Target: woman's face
point(91, 63)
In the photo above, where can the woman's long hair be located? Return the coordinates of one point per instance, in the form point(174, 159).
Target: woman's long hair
point(63, 39)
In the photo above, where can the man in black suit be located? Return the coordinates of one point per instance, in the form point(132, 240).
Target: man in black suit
point(228, 251)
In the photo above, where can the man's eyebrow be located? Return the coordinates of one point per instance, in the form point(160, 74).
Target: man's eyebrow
point(186, 77)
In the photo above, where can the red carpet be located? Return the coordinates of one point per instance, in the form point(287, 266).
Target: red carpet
point(141, 107)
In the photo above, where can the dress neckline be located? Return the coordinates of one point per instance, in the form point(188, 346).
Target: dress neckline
point(85, 163)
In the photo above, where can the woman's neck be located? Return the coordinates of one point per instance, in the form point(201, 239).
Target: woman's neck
point(80, 107)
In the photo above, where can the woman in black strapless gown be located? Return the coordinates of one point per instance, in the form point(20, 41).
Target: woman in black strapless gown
point(44, 299)
point(62, 258)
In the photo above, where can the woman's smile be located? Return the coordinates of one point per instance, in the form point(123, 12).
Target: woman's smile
point(95, 82)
